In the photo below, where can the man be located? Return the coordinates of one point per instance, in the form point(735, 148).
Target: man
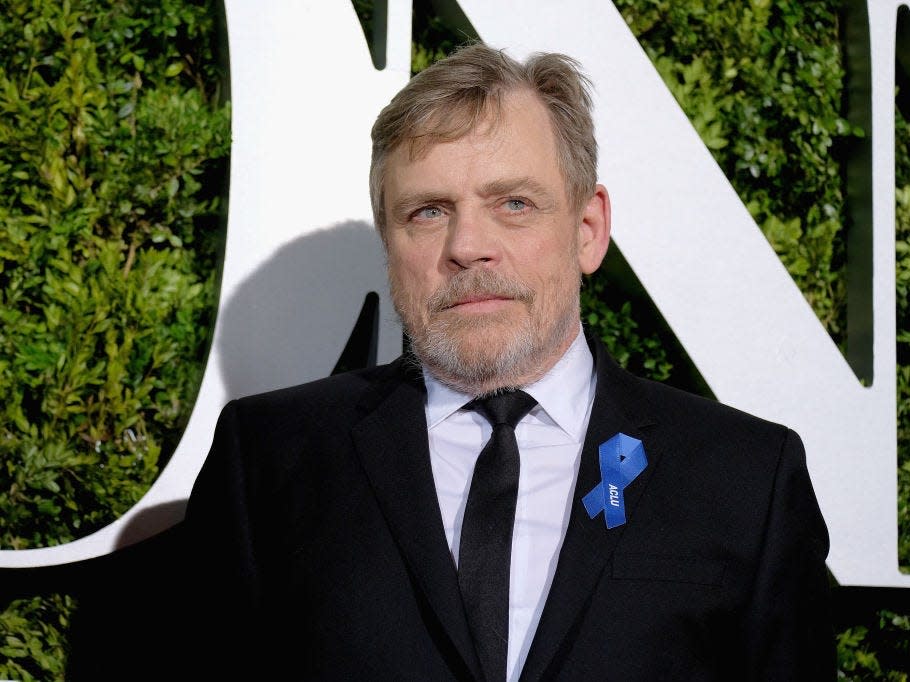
point(359, 527)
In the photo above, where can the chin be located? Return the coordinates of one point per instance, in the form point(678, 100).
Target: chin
point(487, 338)
point(480, 359)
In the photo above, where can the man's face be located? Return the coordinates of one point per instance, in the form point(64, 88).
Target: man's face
point(485, 252)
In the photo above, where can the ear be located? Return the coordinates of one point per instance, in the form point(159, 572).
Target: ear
point(594, 231)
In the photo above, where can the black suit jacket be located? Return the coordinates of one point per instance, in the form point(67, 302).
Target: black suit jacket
point(318, 549)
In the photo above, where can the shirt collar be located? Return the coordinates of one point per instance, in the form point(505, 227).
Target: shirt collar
point(564, 393)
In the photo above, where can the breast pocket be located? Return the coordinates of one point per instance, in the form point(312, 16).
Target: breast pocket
point(681, 569)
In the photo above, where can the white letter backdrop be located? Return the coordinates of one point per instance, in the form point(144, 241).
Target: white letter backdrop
point(301, 251)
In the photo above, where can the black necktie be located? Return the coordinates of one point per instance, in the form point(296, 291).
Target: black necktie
point(485, 551)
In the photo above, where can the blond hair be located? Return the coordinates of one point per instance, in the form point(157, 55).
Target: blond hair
point(450, 98)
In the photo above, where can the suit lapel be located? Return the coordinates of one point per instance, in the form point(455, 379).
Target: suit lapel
point(391, 441)
point(589, 545)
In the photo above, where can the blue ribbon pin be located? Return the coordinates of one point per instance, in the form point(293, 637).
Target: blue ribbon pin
point(622, 458)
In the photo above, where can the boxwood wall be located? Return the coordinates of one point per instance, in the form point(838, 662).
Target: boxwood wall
point(114, 140)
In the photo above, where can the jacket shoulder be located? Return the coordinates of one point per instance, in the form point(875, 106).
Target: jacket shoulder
point(331, 397)
point(708, 425)
point(681, 406)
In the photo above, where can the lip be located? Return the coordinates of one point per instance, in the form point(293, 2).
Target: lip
point(479, 303)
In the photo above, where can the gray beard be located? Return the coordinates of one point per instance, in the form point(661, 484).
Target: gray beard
point(445, 346)
point(445, 349)
point(440, 352)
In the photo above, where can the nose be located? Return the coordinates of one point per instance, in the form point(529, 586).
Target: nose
point(471, 241)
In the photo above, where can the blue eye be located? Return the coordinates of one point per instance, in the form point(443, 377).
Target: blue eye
point(516, 205)
point(429, 213)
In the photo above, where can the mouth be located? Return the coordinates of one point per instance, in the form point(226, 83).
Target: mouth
point(478, 303)
point(479, 291)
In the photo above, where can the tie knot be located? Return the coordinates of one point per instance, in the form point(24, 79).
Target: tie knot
point(504, 408)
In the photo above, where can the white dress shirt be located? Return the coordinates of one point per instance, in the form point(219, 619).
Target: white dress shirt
point(550, 439)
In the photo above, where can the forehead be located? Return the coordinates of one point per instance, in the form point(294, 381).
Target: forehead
point(515, 140)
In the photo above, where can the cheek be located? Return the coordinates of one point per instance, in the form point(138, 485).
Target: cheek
point(545, 262)
point(411, 279)
point(410, 255)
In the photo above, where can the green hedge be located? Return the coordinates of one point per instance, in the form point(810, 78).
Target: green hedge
point(763, 84)
point(113, 147)
point(902, 272)
point(114, 140)
point(110, 139)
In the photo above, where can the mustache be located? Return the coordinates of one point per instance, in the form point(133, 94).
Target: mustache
point(468, 283)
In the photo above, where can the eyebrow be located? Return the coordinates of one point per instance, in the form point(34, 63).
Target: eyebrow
point(512, 185)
